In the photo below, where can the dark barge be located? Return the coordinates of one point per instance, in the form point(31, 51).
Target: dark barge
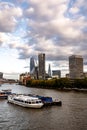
point(48, 101)
point(59, 103)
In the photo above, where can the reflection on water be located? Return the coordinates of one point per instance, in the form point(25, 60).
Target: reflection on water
point(72, 115)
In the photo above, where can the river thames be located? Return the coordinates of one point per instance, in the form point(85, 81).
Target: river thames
point(72, 115)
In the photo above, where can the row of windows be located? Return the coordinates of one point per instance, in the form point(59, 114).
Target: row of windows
point(27, 101)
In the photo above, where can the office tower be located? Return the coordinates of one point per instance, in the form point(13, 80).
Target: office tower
point(49, 71)
point(56, 73)
point(32, 65)
point(41, 66)
point(76, 67)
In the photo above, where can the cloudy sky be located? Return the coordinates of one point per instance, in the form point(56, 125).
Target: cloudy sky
point(57, 28)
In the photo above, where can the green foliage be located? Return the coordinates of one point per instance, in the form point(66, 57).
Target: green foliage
point(50, 83)
point(80, 83)
point(58, 83)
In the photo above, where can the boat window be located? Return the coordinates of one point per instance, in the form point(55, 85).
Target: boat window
point(26, 102)
point(21, 100)
point(33, 102)
point(18, 100)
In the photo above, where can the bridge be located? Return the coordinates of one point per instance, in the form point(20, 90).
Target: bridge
point(8, 81)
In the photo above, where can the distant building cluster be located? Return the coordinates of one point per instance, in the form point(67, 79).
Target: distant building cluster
point(39, 72)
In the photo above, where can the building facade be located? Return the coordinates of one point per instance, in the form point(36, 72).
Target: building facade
point(49, 70)
point(56, 74)
point(76, 67)
point(24, 77)
point(41, 66)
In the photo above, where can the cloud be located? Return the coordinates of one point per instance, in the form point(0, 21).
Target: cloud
point(74, 10)
point(51, 31)
point(8, 16)
point(3, 38)
point(57, 28)
point(49, 20)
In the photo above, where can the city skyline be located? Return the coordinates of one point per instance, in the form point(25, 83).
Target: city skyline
point(29, 27)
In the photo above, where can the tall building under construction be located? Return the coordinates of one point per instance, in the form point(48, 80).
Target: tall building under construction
point(76, 67)
point(41, 66)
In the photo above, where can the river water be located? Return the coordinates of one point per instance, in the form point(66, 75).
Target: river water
point(72, 115)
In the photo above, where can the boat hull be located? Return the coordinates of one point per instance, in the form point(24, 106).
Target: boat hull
point(3, 97)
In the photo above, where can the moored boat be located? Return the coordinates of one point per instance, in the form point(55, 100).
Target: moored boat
point(4, 93)
point(48, 101)
point(25, 101)
point(7, 91)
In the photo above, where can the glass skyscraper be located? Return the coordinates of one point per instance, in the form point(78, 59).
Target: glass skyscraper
point(32, 65)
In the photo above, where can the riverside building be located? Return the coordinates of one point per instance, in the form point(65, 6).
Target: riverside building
point(56, 74)
point(76, 67)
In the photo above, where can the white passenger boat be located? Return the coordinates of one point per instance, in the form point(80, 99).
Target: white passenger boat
point(25, 101)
